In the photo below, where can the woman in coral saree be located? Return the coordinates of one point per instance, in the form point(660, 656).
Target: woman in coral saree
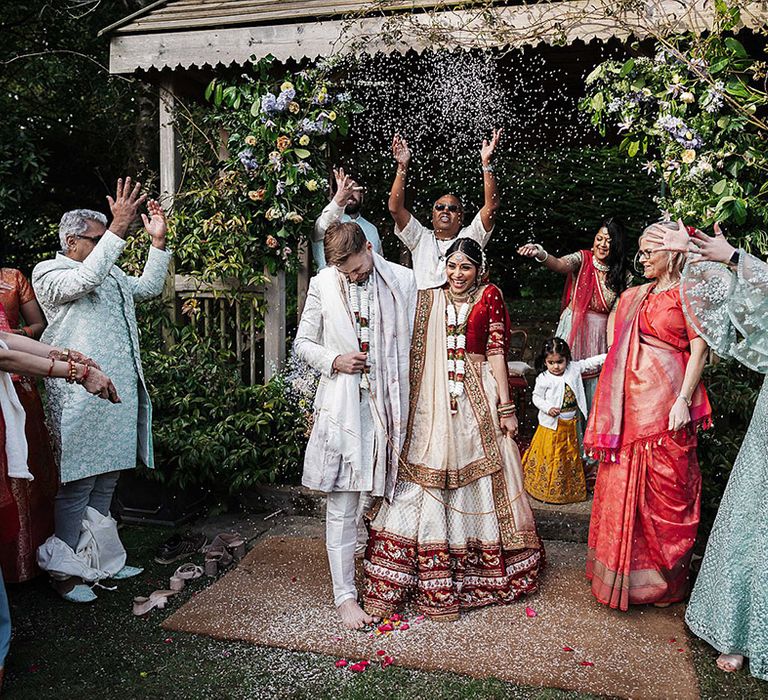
point(647, 408)
point(459, 532)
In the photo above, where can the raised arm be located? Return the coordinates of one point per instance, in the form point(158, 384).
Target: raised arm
point(491, 203)
point(397, 209)
point(57, 285)
point(60, 285)
point(152, 279)
point(535, 251)
point(335, 208)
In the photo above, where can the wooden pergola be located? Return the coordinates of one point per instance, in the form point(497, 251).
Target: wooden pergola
point(178, 44)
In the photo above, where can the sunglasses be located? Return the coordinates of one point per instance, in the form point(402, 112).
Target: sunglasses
point(453, 208)
point(95, 239)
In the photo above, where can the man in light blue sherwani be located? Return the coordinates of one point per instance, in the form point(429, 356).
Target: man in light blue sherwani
point(89, 304)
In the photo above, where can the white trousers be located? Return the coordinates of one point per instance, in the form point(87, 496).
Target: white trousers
point(345, 534)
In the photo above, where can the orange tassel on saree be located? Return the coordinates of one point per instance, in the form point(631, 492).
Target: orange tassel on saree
point(647, 497)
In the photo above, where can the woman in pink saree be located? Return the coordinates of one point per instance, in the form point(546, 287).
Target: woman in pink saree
point(646, 411)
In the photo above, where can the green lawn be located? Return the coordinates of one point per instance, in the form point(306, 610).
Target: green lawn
point(101, 651)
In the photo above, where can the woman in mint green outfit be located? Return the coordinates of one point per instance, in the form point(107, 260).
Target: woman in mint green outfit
point(726, 300)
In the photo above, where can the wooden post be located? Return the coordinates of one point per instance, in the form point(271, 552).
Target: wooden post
point(274, 324)
point(302, 278)
point(170, 176)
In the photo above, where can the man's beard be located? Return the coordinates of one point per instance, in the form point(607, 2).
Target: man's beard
point(352, 208)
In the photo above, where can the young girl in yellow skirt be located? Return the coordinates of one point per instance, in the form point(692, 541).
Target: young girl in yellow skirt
point(553, 466)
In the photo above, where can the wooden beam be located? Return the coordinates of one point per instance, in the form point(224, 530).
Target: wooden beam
point(302, 278)
point(274, 324)
point(170, 177)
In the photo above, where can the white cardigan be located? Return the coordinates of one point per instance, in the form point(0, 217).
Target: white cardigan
point(549, 389)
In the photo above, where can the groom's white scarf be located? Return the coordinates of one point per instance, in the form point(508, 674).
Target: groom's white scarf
point(15, 419)
point(336, 433)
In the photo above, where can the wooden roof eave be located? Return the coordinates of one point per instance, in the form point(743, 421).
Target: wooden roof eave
point(555, 22)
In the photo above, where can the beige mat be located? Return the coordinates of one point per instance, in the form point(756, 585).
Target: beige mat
point(280, 596)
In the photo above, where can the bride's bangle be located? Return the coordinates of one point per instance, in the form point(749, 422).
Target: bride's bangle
point(541, 250)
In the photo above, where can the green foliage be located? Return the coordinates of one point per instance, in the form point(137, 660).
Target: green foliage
point(213, 430)
point(255, 208)
point(68, 128)
point(695, 113)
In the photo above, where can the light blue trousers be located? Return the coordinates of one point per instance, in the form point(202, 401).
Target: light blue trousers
point(5, 623)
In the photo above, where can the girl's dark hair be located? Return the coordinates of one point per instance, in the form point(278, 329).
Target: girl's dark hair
point(470, 247)
point(616, 278)
point(552, 345)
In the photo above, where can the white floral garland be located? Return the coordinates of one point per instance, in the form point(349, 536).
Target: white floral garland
point(360, 303)
point(456, 343)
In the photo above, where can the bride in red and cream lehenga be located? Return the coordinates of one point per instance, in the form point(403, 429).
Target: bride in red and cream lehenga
point(645, 414)
point(459, 532)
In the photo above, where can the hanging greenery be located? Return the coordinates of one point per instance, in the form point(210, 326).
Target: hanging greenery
point(278, 132)
point(696, 113)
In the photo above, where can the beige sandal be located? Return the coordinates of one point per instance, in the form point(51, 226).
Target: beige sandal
point(730, 663)
point(184, 573)
point(157, 599)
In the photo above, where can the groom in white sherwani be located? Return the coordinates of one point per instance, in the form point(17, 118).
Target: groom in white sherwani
point(356, 331)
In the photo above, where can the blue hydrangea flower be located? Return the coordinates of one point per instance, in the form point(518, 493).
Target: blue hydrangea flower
point(247, 159)
point(268, 103)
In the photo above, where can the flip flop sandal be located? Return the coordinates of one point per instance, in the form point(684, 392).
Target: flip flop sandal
point(128, 572)
point(157, 599)
point(184, 573)
point(232, 542)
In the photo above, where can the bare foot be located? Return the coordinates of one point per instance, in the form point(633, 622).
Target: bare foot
point(730, 662)
point(353, 617)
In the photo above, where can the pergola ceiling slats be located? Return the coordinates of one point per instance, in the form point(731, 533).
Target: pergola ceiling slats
point(197, 33)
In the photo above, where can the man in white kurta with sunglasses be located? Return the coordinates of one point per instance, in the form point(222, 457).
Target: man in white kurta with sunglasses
point(428, 246)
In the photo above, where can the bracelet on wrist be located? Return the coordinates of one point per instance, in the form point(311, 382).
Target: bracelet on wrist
point(541, 250)
point(50, 369)
point(71, 372)
point(488, 168)
point(86, 372)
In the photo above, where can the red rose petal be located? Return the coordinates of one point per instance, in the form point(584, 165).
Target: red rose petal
point(380, 652)
point(387, 661)
point(586, 663)
point(396, 617)
point(672, 640)
point(341, 663)
point(168, 640)
point(385, 628)
point(405, 626)
point(568, 649)
point(294, 579)
point(357, 668)
point(530, 612)
point(681, 649)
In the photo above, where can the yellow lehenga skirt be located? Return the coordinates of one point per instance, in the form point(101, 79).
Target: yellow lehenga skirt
point(553, 468)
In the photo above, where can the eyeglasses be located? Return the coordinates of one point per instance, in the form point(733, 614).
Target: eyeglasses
point(95, 239)
point(645, 254)
point(453, 208)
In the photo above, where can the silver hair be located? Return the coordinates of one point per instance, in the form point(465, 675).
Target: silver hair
point(675, 260)
point(74, 222)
